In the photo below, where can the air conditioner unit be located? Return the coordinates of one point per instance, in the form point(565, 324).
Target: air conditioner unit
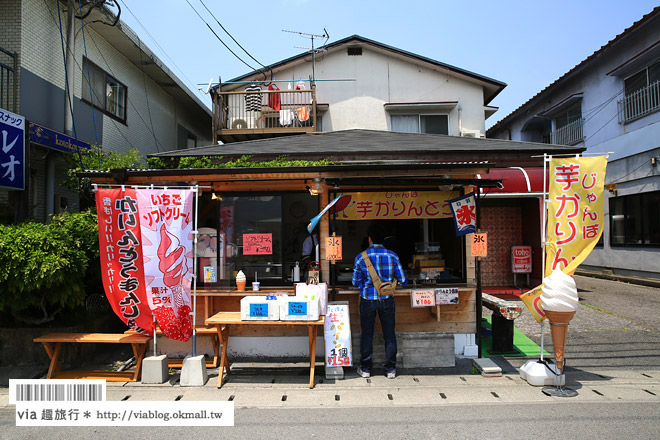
point(472, 134)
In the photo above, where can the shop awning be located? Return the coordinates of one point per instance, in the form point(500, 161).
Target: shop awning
point(515, 181)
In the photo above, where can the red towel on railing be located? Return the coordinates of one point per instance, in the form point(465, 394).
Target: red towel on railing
point(274, 98)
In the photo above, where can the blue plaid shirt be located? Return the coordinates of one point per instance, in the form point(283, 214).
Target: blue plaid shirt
point(387, 267)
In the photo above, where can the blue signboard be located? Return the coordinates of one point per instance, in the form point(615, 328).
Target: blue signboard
point(12, 150)
point(53, 139)
point(258, 310)
point(298, 308)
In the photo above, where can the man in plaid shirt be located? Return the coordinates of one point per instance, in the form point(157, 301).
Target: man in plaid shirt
point(387, 266)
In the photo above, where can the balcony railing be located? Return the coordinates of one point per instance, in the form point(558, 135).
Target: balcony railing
point(639, 103)
point(8, 80)
point(569, 134)
point(249, 115)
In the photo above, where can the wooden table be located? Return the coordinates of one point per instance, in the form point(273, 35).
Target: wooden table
point(138, 342)
point(224, 320)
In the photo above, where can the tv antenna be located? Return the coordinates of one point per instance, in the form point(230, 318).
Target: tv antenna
point(311, 37)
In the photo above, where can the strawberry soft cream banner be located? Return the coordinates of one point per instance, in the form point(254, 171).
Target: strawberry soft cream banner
point(166, 221)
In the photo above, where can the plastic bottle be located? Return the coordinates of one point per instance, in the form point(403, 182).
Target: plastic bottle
point(296, 273)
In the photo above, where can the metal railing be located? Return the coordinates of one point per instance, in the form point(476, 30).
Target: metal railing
point(8, 80)
point(569, 134)
point(639, 103)
point(265, 111)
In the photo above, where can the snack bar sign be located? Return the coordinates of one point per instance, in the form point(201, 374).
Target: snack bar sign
point(12, 150)
point(521, 259)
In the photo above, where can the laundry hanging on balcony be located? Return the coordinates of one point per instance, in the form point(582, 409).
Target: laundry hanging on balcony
point(252, 98)
point(274, 98)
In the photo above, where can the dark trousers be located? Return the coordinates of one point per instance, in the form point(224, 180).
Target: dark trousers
point(386, 311)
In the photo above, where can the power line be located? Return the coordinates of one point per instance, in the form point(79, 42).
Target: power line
point(220, 39)
point(160, 47)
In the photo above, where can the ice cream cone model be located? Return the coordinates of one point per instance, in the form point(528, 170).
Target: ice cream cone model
point(240, 281)
point(560, 302)
point(558, 327)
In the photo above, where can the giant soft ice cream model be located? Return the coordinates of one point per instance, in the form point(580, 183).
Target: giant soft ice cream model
point(560, 302)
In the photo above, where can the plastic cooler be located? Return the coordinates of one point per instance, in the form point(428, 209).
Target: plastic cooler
point(260, 308)
point(295, 308)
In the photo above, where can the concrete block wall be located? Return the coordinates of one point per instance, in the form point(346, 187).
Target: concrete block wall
point(414, 350)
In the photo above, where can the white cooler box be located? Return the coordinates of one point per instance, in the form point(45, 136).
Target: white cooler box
point(260, 308)
point(295, 308)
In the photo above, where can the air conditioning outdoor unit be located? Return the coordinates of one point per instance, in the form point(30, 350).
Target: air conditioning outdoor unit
point(472, 134)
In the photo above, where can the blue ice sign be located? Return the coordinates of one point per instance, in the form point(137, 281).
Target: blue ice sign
point(298, 308)
point(12, 150)
point(258, 310)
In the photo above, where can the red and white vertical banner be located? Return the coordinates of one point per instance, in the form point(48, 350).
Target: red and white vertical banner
point(121, 257)
point(166, 223)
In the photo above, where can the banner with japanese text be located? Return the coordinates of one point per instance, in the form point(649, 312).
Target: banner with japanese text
point(12, 150)
point(575, 218)
point(464, 210)
point(166, 222)
point(394, 205)
point(121, 257)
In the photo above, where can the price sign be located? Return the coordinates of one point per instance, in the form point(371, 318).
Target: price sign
point(257, 244)
point(258, 310)
point(337, 333)
point(446, 295)
point(479, 244)
point(422, 298)
point(298, 308)
point(333, 250)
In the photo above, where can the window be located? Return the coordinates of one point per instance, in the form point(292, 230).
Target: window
point(642, 92)
point(107, 94)
point(435, 124)
point(568, 126)
point(635, 220)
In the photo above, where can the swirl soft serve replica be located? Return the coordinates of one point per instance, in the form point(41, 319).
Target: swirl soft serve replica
point(559, 293)
point(240, 281)
point(560, 302)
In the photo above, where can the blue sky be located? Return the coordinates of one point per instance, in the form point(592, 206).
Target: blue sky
point(526, 44)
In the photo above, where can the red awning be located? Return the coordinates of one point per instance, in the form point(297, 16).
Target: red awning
point(516, 180)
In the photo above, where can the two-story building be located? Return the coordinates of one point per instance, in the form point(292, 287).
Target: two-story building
point(122, 95)
point(610, 104)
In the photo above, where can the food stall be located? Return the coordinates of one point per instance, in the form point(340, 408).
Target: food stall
point(254, 220)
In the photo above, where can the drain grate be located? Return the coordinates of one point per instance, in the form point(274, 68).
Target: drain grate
point(415, 379)
point(644, 374)
point(443, 395)
point(179, 397)
point(391, 397)
point(368, 380)
point(336, 396)
point(598, 392)
point(494, 394)
point(650, 392)
point(510, 378)
point(231, 398)
point(463, 379)
point(126, 397)
point(284, 398)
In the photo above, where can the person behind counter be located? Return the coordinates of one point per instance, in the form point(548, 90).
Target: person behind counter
point(387, 266)
point(309, 252)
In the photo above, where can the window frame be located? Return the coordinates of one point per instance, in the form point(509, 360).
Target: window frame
point(631, 225)
point(108, 80)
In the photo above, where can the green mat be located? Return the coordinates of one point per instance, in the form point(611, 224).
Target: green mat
point(522, 343)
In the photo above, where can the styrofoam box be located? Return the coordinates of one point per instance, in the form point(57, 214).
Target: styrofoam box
point(260, 308)
point(294, 308)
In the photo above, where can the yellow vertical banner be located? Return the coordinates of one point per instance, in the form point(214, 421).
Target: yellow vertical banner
point(575, 211)
point(575, 218)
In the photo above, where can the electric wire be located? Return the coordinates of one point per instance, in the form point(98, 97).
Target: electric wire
point(161, 48)
point(234, 39)
point(220, 39)
point(89, 79)
point(146, 94)
point(67, 88)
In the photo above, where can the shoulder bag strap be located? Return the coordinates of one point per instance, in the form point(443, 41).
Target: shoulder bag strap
point(372, 271)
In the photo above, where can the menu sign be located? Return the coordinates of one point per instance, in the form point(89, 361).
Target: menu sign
point(338, 335)
point(479, 244)
point(446, 295)
point(422, 298)
point(257, 244)
point(333, 249)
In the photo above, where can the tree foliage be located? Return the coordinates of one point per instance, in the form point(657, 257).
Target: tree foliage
point(245, 161)
point(45, 268)
point(102, 160)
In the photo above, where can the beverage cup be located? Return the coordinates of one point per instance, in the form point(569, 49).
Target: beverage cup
point(240, 285)
point(255, 286)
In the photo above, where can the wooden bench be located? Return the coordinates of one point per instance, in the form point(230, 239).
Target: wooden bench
point(504, 312)
point(200, 330)
point(138, 343)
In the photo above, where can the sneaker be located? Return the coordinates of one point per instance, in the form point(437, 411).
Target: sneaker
point(391, 374)
point(362, 373)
